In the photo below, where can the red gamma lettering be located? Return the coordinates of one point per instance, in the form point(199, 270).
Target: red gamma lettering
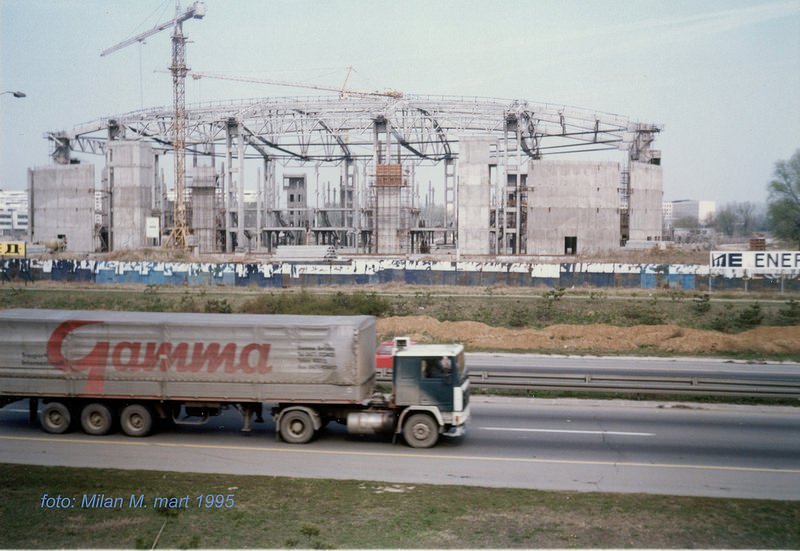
point(262, 356)
point(118, 358)
point(134, 360)
point(213, 357)
point(150, 357)
point(168, 356)
point(95, 362)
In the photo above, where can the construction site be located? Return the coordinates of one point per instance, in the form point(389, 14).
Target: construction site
point(350, 173)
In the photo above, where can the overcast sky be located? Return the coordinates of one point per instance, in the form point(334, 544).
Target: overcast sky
point(722, 77)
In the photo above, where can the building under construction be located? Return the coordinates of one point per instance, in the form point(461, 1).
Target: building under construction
point(517, 178)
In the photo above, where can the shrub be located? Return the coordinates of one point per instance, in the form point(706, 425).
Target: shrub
point(305, 303)
point(519, 316)
point(790, 315)
point(218, 306)
point(701, 304)
point(734, 322)
point(750, 317)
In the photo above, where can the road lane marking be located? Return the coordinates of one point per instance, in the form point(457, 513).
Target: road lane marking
point(564, 431)
point(420, 455)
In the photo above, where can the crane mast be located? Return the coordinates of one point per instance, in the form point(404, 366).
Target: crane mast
point(178, 235)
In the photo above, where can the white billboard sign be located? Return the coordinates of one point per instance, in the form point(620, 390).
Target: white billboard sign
point(152, 227)
point(744, 263)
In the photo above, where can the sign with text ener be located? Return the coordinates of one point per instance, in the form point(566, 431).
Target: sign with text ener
point(755, 262)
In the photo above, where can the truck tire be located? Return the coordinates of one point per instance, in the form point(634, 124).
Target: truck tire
point(296, 427)
point(96, 419)
point(136, 420)
point(420, 431)
point(55, 417)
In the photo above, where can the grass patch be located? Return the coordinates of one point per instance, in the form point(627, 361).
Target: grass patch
point(504, 307)
point(272, 512)
point(498, 307)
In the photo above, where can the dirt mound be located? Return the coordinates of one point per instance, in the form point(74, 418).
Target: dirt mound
point(596, 338)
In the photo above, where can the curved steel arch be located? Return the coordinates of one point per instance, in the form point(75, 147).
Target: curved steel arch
point(331, 129)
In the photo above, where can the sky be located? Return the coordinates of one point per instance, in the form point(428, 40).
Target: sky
point(721, 77)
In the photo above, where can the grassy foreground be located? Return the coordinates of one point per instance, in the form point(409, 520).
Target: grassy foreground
point(283, 512)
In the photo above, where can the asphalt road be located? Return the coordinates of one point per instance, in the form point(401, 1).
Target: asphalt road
point(583, 445)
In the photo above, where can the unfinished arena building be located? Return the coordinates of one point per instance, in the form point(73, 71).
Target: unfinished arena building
point(361, 174)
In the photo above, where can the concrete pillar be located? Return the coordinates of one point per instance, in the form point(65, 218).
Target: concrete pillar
point(130, 167)
point(645, 203)
point(241, 240)
point(474, 195)
point(203, 211)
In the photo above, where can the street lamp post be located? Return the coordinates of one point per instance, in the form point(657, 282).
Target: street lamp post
point(16, 94)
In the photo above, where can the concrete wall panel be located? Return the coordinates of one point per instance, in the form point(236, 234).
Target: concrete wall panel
point(62, 203)
point(573, 199)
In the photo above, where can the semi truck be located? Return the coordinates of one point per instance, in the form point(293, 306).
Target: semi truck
point(99, 370)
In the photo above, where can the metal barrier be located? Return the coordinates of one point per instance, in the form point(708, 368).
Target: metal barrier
point(632, 384)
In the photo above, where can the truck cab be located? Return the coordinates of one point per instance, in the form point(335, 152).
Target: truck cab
point(431, 384)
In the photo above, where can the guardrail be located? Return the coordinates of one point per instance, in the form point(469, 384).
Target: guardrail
point(633, 384)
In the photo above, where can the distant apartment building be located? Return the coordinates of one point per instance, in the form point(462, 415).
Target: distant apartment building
point(13, 213)
point(702, 211)
point(666, 213)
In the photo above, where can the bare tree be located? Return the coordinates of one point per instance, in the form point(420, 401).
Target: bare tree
point(784, 199)
point(726, 221)
point(746, 213)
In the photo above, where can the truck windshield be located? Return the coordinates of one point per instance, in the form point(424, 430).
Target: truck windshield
point(436, 368)
point(442, 367)
point(461, 365)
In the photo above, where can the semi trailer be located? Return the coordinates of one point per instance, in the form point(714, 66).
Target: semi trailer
point(99, 370)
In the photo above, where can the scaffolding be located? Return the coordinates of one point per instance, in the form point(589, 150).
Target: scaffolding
point(391, 210)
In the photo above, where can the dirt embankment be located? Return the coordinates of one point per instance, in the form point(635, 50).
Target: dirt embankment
point(594, 338)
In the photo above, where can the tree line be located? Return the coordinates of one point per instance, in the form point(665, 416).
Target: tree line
point(780, 216)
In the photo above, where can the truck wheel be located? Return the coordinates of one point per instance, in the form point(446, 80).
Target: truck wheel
point(55, 417)
point(420, 431)
point(136, 420)
point(96, 419)
point(296, 427)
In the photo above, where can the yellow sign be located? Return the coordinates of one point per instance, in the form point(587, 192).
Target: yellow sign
point(12, 249)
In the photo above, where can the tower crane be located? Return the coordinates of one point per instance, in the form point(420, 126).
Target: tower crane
point(178, 236)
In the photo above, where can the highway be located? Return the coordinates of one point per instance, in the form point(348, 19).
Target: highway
point(580, 445)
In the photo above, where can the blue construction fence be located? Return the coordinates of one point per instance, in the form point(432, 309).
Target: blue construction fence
point(377, 272)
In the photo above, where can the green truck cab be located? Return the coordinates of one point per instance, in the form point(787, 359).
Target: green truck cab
point(431, 385)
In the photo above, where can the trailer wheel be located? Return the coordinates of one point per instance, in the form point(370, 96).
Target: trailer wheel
point(296, 427)
point(55, 417)
point(96, 419)
point(136, 420)
point(420, 431)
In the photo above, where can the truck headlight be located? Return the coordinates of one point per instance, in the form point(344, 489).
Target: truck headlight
point(458, 399)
